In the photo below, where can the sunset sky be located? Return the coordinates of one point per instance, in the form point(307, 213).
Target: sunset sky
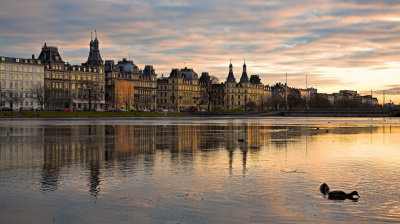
point(338, 44)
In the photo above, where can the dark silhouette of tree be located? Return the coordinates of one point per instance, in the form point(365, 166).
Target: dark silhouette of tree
point(91, 92)
point(37, 93)
point(12, 97)
point(251, 106)
point(320, 101)
point(2, 93)
point(209, 95)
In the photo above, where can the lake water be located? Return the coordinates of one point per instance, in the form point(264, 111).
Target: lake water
point(194, 170)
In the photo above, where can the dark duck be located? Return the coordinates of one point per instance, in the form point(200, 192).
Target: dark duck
point(338, 195)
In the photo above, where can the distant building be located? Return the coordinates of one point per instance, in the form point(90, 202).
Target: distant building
point(76, 86)
point(368, 99)
point(144, 83)
point(19, 78)
point(247, 93)
point(180, 91)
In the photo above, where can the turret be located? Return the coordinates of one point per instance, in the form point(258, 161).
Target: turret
point(231, 77)
point(244, 78)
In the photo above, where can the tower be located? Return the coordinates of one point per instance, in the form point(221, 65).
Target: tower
point(94, 58)
point(231, 77)
point(244, 78)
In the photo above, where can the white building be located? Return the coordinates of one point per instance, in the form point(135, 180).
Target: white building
point(19, 78)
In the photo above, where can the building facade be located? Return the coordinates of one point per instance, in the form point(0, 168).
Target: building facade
point(180, 91)
point(143, 96)
point(73, 86)
point(21, 83)
point(246, 94)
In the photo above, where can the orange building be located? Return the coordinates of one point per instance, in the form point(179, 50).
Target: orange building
point(123, 94)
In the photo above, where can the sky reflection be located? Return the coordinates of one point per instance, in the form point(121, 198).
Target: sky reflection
point(199, 172)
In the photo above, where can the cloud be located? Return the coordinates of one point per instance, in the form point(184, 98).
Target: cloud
point(336, 41)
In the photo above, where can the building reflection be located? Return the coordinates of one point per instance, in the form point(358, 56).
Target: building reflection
point(94, 148)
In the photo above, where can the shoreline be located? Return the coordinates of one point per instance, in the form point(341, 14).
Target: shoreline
point(311, 113)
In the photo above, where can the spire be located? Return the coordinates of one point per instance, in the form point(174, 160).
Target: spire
point(231, 77)
point(244, 78)
point(91, 42)
point(94, 58)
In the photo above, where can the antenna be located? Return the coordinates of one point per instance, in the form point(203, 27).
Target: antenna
point(91, 35)
point(286, 93)
point(383, 97)
point(231, 60)
point(306, 81)
point(95, 33)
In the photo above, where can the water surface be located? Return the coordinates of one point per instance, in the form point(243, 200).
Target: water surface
point(194, 170)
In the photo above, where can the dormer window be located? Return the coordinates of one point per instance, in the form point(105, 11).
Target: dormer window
point(17, 60)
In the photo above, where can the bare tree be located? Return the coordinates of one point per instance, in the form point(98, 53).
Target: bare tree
point(208, 91)
point(263, 102)
point(2, 94)
point(91, 92)
point(12, 97)
point(38, 94)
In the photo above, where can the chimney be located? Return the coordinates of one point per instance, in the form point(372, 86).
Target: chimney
point(33, 56)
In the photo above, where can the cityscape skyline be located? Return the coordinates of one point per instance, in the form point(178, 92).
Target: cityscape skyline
point(336, 44)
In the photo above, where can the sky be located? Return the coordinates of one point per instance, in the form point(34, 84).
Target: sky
point(336, 44)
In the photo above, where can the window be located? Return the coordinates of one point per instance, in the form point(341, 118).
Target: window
point(17, 60)
point(73, 86)
point(79, 77)
point(16, 77)
point(89, 77)
point(3, 76)
point(2, 67)
point(15, 68)
point(3, 58)
point(26, 78)
point(72, 77)
point(26, 86)
point(3, 85)
point(21, 85)
point(11, 85)
point(38, 78)
point(21, 77)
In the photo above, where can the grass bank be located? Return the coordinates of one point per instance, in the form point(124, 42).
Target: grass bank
point(88, 114)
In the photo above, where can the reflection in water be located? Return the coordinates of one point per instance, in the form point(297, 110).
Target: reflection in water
point(143, 158)
point(55, 147)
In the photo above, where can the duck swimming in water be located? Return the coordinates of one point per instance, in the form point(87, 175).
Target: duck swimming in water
point(338, 195)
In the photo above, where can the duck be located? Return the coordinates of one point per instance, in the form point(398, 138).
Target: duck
point(338, 195)
point(324, 188)
point(341, 195)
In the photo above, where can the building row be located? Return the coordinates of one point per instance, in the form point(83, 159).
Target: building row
point(48, 82)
